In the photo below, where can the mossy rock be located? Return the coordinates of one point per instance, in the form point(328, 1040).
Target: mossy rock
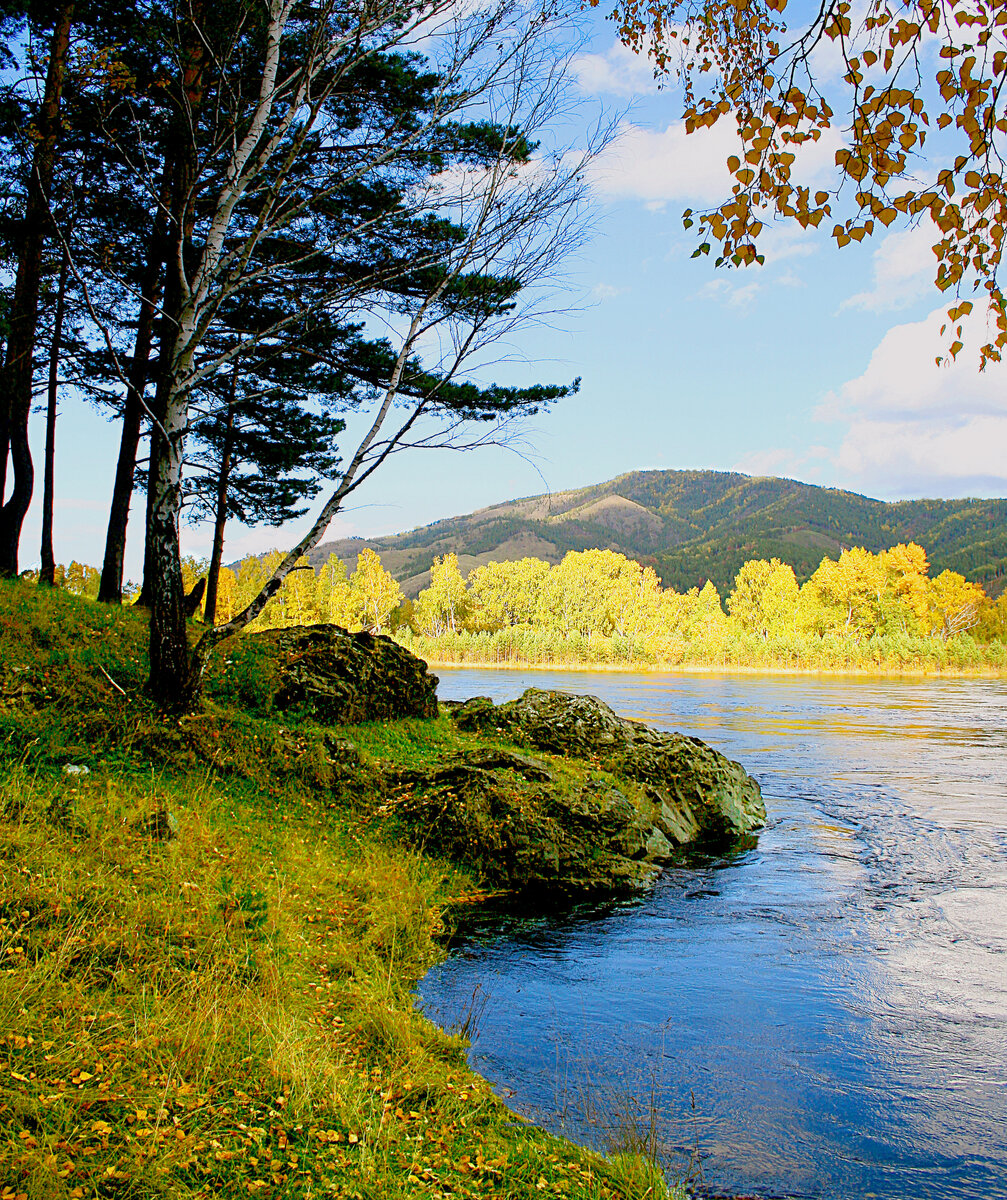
point(525, 834)
point(697, 794)
point(340, 678)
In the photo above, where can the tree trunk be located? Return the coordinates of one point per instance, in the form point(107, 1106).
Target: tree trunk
point(16, 378)
point(175, 678)
point(166, 354)
point(110, 588)
point(47, 573)
point(223, 479)
point(4, 426)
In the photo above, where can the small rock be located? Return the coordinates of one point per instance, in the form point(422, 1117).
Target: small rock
point(74, 769)
point(160, 825)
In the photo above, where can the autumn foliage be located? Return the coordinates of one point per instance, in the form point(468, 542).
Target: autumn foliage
point(916, 109)
point(859, 610)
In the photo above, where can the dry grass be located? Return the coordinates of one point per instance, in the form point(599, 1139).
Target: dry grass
point(227, 1013)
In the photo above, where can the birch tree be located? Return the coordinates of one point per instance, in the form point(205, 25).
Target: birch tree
point(499, 220)
point(918, 103)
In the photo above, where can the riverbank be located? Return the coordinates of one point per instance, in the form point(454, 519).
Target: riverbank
point(809, 1014)
point(521, 648)
point(208, 951)
point(728, 669)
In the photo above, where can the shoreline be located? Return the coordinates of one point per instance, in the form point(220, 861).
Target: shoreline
point(719, 669)
point(236, 862)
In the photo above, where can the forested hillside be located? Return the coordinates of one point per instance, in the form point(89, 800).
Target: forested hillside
point(694, 526)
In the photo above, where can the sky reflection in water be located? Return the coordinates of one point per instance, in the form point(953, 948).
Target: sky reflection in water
point(824, 1015)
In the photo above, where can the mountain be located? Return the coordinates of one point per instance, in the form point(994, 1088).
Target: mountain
point(692, 526)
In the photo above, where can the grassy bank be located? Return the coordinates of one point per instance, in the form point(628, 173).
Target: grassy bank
point(689, 668)
point(227, 1012)
point(831, 655)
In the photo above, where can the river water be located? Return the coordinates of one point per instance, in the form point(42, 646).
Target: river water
point(824, 1015)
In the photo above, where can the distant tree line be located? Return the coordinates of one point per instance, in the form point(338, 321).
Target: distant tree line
point(600, 606)
point(599, 594)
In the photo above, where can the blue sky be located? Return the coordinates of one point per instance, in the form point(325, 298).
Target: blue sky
point(818, 366)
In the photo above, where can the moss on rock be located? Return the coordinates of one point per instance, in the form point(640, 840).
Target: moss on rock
point(626, 798)
point(339, 677)
point(697, 793)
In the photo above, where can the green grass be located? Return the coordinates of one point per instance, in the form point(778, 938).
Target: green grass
point(228, 1013)
point(409, 743)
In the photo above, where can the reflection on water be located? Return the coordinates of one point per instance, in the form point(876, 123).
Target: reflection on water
point(824, 1015)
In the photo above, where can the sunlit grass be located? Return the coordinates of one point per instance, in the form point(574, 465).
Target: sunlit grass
point(228, 1012)
point(524, 647)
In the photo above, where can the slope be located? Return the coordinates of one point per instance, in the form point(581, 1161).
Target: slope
point(698, 525)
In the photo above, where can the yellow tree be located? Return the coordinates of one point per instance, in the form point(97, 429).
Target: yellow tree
point(993, 619)
point(227, 594)
point(635, 600)
point(580, 595)
point(193, 570)
point(506, 593)
point(765, 597)
point(906, 598)
point(78, 578)
point(250, 578)
point(377, 593)
point(914, 74)
point(697, 614)
point(847, 594)
point(443, 606)
point(955, 604)
point(252, 575)
point(338, 603)
point(299, 595)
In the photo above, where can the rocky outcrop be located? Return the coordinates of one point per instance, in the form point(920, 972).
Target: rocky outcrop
point(527, 825)
point(521, 828)
point(344, 678)
point(697, 794)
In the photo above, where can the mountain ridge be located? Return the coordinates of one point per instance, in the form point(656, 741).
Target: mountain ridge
point(694, 526)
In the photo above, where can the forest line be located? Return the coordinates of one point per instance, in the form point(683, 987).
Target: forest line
point(863, 610)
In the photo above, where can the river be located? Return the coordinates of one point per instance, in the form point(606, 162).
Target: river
point(824, 1015)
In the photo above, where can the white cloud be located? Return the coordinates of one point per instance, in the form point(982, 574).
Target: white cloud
point(914, 427)
point(661, 165)
point(904, 269)
point(606, 291)
point(658, 165)
point(737, 288)
point(617, 72)
point(780, 242)
point(773, 461)
point(948, 458)
point(785, 462)
point(731, 291)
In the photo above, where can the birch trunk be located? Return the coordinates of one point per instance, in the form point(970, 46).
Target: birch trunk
point(223, 481)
